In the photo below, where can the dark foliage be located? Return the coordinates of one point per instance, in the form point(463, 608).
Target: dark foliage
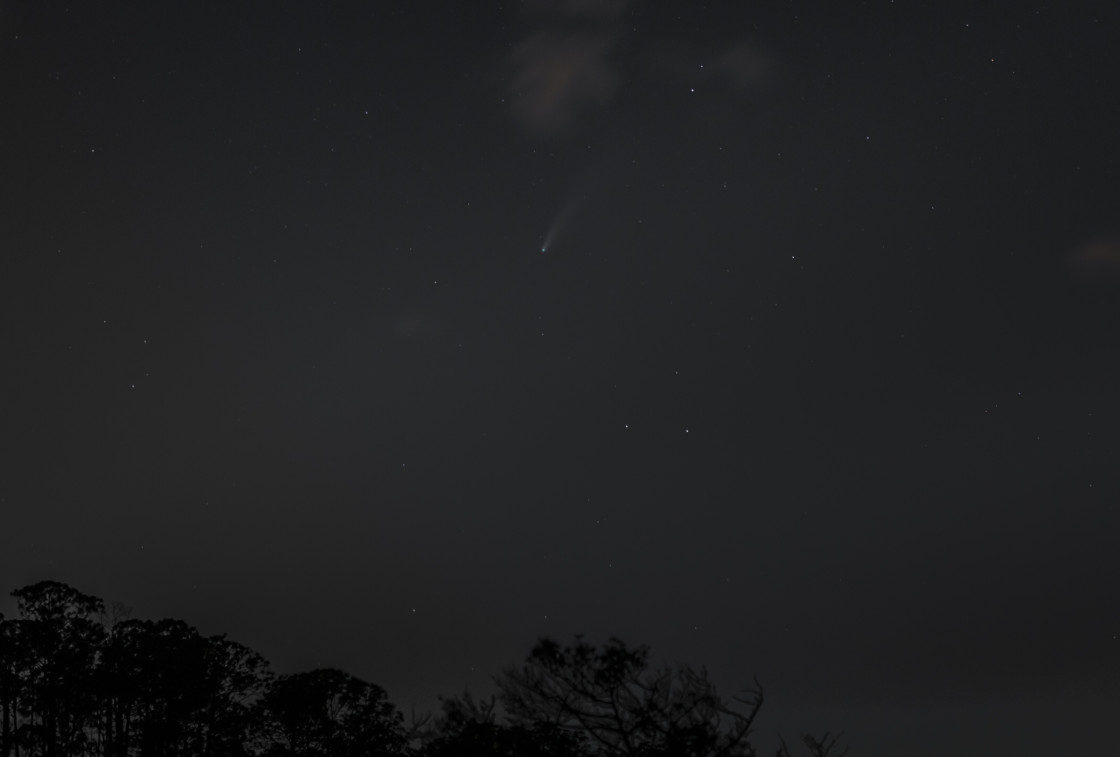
point(75, 683)
point(623, 706)
point(468, 728)
point(328, 713)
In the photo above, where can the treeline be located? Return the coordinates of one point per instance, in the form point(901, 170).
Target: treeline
point(75, 681)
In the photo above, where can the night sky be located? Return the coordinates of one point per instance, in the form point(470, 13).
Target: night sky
point(392, 336)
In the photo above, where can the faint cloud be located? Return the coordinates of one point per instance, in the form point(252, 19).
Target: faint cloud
point(572, 63)
point(417, 325)
point(746, 65)
point(561, 76)
point(1098, 260)
point(581, 8)
point(564, 69)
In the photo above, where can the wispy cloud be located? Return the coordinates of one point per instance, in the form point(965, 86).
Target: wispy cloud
point(560, 77)
point(586, 9)
point(572, 64)
point(746, 65)
point(1098, 260)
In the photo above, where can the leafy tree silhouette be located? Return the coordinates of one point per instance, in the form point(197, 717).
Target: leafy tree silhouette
point(328, 713)
point(12, 665)
point(73, 683)
point(469, 728)
point(49, 660)
point(167, 689)
point(70, 685)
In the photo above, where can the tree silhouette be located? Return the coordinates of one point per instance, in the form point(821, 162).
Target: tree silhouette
point(167, 690)
point(328, 713)
point(74, 683)
point(469, 728)
point(623, 706)
point(822, 747)
point(50, 656)
point(11, 684)
point(71, 686)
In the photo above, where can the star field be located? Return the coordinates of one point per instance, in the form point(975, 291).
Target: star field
point(393, 337)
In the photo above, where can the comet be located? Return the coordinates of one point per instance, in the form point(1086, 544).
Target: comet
point(553, 230)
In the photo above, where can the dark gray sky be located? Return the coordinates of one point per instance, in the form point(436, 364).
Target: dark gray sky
point(815, 376)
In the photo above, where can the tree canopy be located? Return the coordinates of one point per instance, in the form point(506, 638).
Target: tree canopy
point(75, 682)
